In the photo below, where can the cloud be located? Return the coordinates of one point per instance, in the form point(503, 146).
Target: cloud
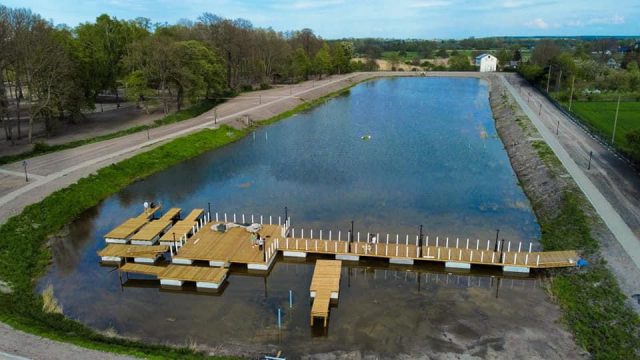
point(424, 4)
point(308, 4)
point(610, 20)
point(538, 23)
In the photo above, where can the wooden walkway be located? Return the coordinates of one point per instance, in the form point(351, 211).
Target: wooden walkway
point(408, 253)
point(325, 285)
point(124, 231)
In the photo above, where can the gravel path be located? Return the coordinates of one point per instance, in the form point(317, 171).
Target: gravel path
point(18, 345)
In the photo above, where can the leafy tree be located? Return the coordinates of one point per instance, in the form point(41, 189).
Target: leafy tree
point(532, 72)
point(544, 52)
point(301, 64)
point(442, 53)
point(460, 62)
point(322, 61)
point(341, 54)
point(504, 57)
point(517, 55)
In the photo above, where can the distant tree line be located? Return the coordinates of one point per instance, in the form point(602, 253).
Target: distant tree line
point(54, 73)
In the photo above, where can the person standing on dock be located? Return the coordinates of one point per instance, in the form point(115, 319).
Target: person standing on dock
point(260, 243)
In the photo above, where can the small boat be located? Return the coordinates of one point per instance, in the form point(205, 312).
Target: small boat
point(365, 137)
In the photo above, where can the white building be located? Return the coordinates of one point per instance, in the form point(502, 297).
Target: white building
point(486, 62)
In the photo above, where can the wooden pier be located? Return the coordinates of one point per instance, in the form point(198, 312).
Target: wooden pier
point(325, 285)
point(207, 246)
point(122, 233)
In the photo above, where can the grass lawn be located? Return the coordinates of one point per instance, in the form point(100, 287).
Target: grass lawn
point(601, 115)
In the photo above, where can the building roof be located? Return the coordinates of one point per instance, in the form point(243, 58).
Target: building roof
point(482, 56)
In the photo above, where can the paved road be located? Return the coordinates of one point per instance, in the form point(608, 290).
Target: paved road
point(611, 185)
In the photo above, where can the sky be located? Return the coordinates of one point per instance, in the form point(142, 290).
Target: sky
point(331, 19)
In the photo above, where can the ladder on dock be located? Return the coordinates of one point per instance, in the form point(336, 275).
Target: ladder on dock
point(325, 285)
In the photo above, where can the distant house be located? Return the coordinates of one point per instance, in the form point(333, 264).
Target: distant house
point(612, 63)
point(486, 62)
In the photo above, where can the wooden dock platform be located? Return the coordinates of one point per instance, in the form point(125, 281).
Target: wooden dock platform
point(198, 240)
point(150, 233)
point(176, 275)
point(232, 246)
point(122, 233)
point(183, 228)
point(325, 285)
point(139, 253)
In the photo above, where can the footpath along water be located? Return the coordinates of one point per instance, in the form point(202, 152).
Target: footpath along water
point(391, 155)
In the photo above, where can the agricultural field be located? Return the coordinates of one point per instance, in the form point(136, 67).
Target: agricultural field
point(600, 116)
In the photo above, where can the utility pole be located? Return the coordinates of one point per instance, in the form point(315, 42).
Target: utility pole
point(548, 79)
point(615, 122)
point(559, 81)
point(573, 82)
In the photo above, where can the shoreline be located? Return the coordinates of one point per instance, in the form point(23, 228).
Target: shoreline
point(494, 97)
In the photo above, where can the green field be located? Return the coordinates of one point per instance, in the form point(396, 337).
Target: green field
point(600, 116)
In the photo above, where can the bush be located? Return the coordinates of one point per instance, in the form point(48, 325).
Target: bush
point(265, 86)
point(246, 88)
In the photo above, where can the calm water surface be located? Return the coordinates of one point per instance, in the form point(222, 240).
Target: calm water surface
point(433, 159)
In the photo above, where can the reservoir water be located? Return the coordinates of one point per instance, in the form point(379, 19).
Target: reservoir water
point(391, 155)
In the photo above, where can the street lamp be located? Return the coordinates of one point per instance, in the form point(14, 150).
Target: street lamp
point(24, 165)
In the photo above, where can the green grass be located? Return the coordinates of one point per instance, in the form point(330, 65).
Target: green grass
point(600, 117)
point(594, 309)
point(43, 148)
point(24, 255)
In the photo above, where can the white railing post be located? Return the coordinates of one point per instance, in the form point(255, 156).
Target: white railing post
point(437, 241)
point(487, 245)
point(519, 246)
point(225, 217)
point(538, 260)
point(457, 242)
point(270, 220)
point(530, 246)
point(217, 217)
point(279, 221)
point(234, 217)
point(447, 243)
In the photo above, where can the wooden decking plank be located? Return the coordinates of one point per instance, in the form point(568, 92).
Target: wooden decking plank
point(140, 251)
point(193, 273)
point(144, 269)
